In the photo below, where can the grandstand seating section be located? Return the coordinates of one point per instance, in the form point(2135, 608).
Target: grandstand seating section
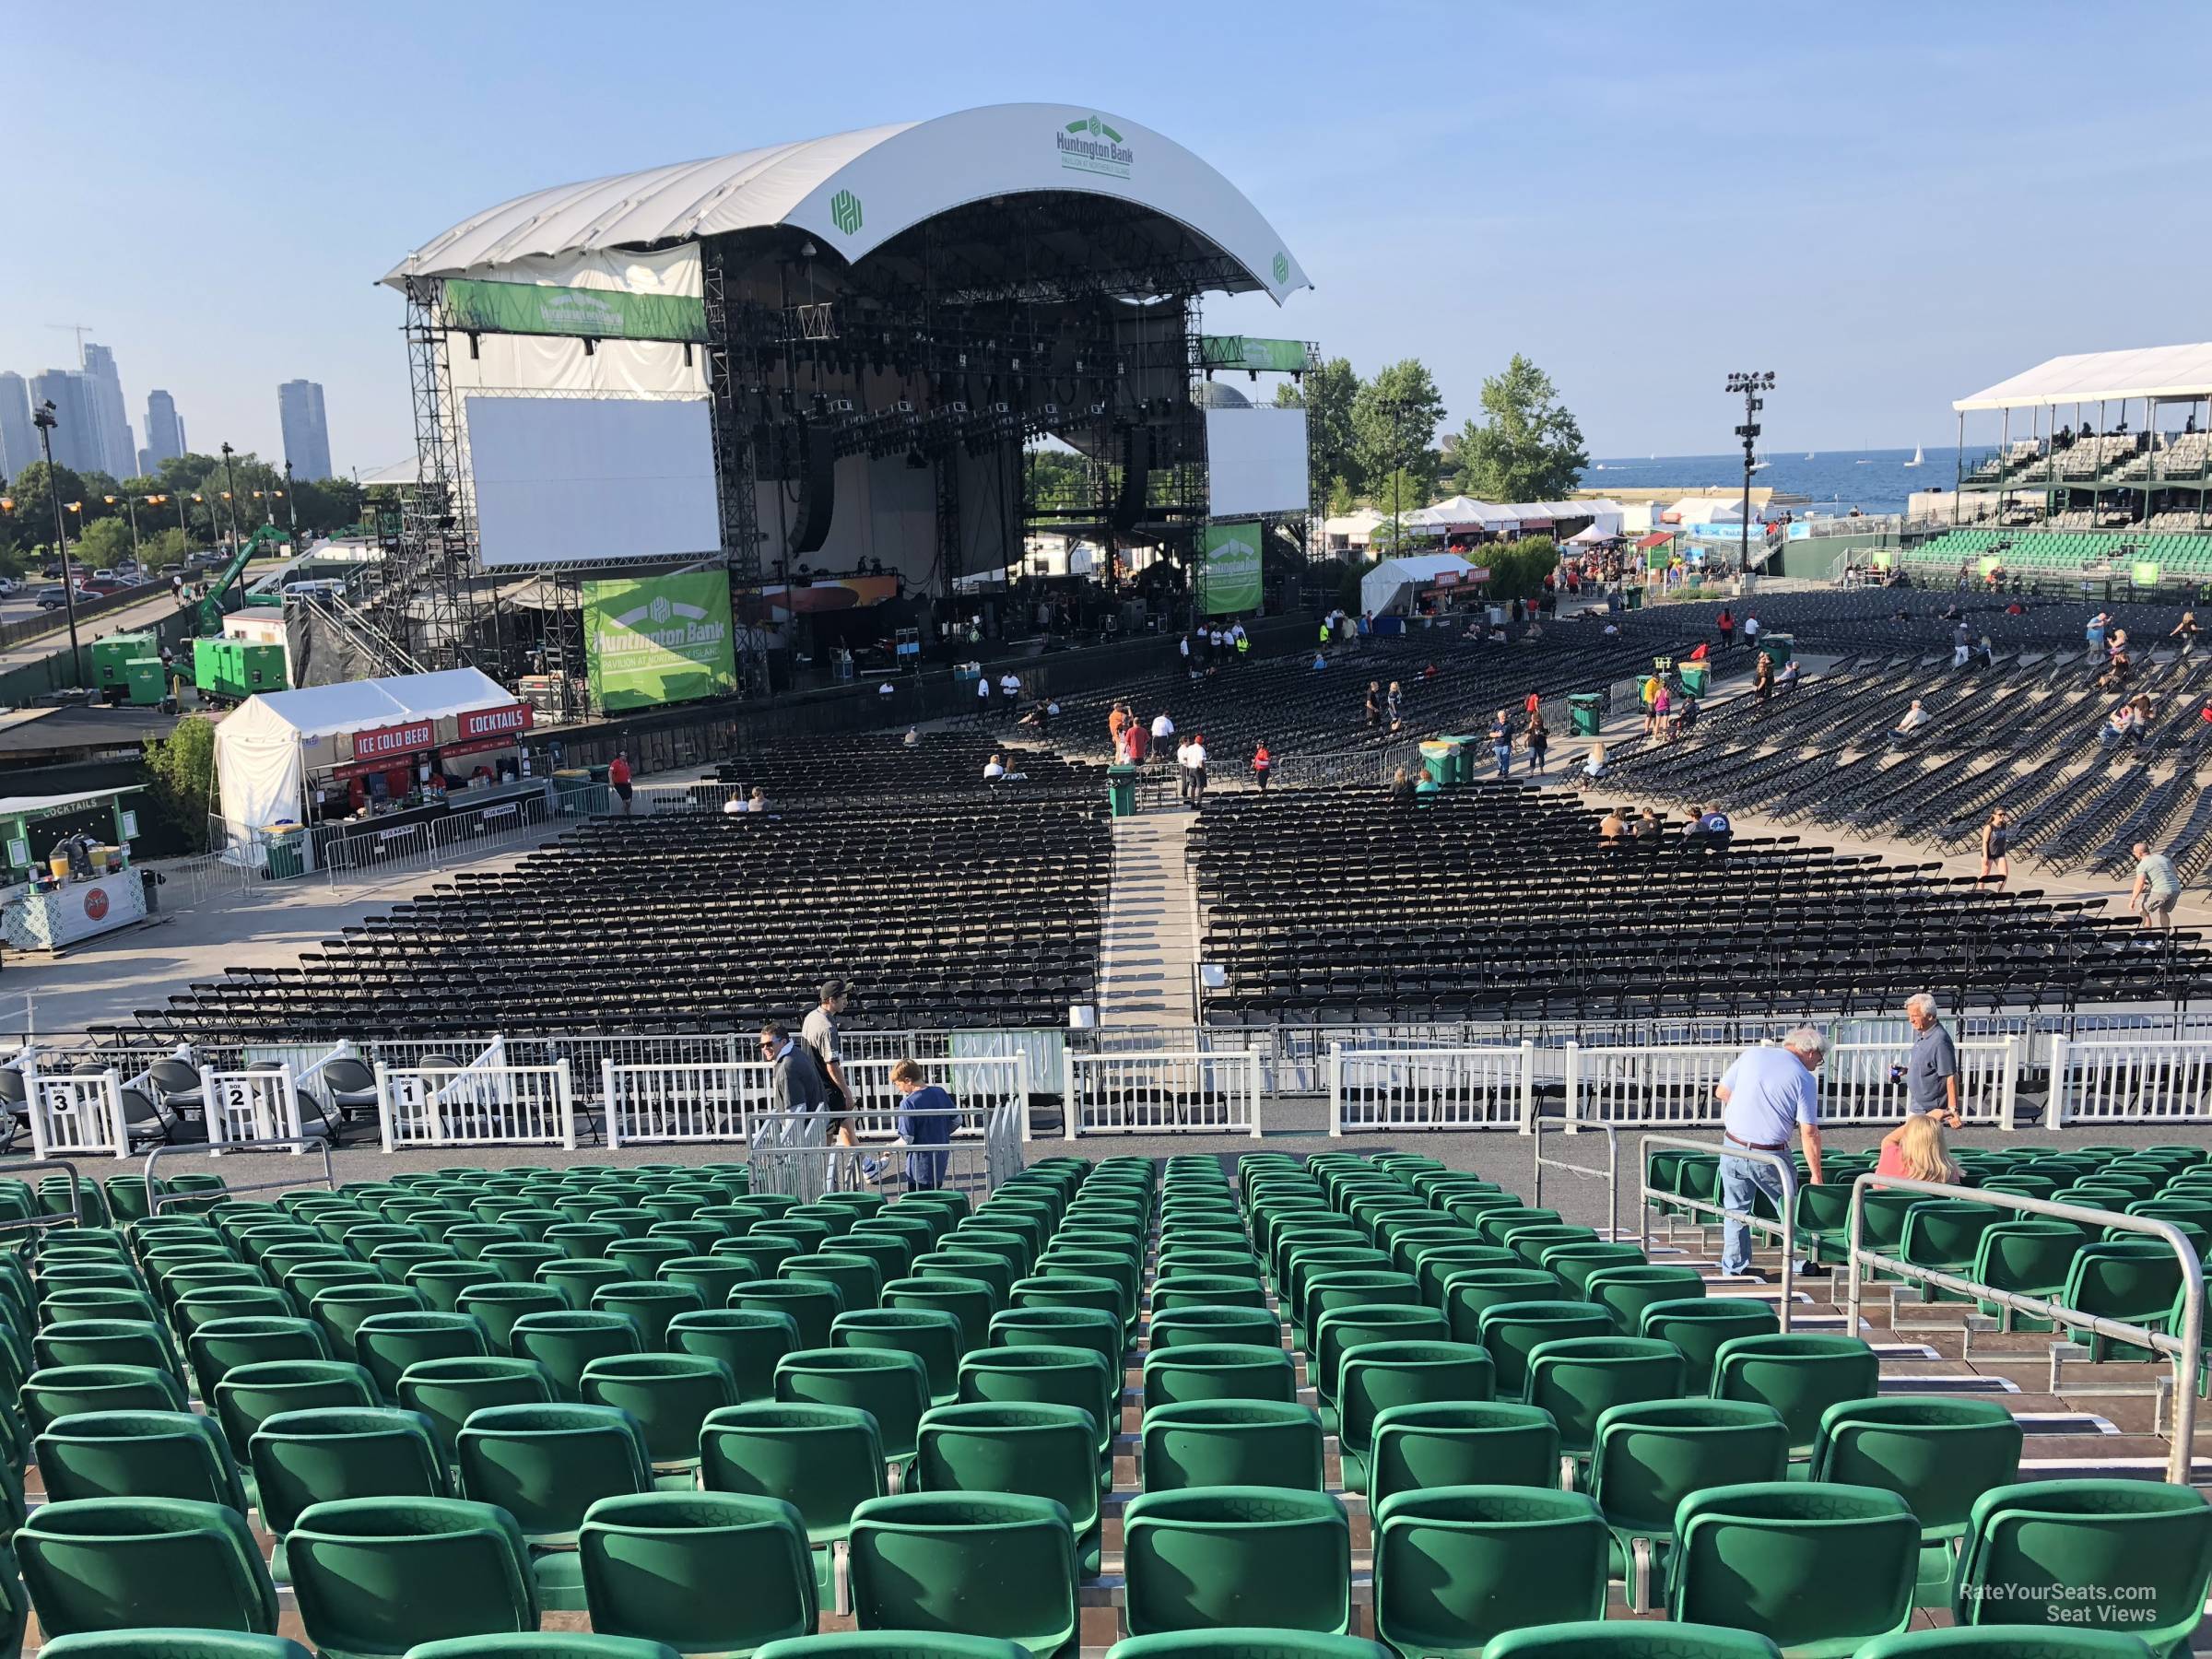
point(2023, 552)
point(1295, 1410)
point(1498, 901)
point(2025, 734)
point(939, 909)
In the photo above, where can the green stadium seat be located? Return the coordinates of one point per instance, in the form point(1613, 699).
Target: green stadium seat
point(1801, 1375)
point(536, 1644)
point(1938, 1454)
point(1241, 1643)
point(1231, 1443)
point(670, 1394)
point(1053, 1375)
point(1217, 1371)
point(1578, 1379)
point(65, 1389)
point(121, 1563)
point(1818, 1570)
point(386, 1344)
point(1651, 1455)
point(139, 1454)
point(1043, 1450)
point(661, 1567)
point(375, 1577)
point(547, 1464)
point(1629, 1639)
point(171, 1643)
point(889, 1385)
point(1699, 1326)
point(2011, 1642)
point(998, 1564)
point(326, 1453)
point(1457, 1565)
point(249, 1394)
point(825, 1461)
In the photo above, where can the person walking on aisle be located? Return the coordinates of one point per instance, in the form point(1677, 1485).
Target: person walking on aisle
point(1766, 1096)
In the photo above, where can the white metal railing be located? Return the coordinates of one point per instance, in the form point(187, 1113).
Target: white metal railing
point(791, 1152)
point(1431, 1089)
point(710, 1101)
point(1781, 1227)
point(482, 1105)
point(242, 1106)
point(1162, 1092)
point(1646, 1085)
point(76, 1113)
point(2102, 1081)
point(2184, 1347)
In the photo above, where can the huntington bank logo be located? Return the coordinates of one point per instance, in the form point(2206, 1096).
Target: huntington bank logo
point(844, 211)
point(1090, 145)
point(659, 610)
point(1282, 268)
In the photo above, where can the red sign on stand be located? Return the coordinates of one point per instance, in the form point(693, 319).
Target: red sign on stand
point(496, 723)
point(386, 743)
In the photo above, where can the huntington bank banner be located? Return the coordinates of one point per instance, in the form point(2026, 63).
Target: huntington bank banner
point(528, 308)
point(654, 640)
point(1233, 568)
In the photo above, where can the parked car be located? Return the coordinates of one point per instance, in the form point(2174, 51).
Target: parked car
point(8, 586)
point(52, 598)
point(324, 587)
point(100, 587)
point(50, 570)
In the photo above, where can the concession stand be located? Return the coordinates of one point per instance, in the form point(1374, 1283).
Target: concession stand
point(69, 868)
point(350, 773)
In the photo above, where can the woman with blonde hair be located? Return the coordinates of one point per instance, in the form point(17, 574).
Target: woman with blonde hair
point(1915, 1149)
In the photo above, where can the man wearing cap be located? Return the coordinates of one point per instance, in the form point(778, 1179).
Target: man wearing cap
point(1766, 1096)
point(819, 1033)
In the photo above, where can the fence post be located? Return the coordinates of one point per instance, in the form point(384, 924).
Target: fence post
point(383, 1102)
point(1528, 1086)
point(564, 1093)
point(1021, 1091)
point(110, 1081)
point(1068, 1109)
point(1252, 1057)
point(1336, 1092)
point(1570, 1070)
point(2054, 1103)
point(608, 1124)
point(211, 1109)
point(36, 1097)
point(2011, 1085)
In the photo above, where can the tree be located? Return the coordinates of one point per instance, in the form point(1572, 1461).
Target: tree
point(1326, 394)
point(183, 765)
point(1396, 494)
point(1395, 417)
point(1518, 567)
point(1530, 449)
point(104, 544)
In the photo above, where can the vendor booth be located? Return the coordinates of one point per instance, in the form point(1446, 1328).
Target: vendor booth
point(1396, 586)
point(69, 868)
point(302, 773)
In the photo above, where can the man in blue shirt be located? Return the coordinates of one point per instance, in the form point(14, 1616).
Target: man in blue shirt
point(1767, 1095)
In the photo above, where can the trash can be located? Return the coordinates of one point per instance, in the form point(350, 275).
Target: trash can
point(1635, 597)
point(1693, 676)
point(286, 849)
point(572, 789)
point(1439, 761)
point(1464, 748)
point(1120, 790)
point(151, 881)
point(1586, 712)
point(1779, 646)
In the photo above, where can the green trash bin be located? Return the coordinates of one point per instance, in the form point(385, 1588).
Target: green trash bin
point(1120, 790)
point(1586, 712)
point(1440, 763)
point(286, 850)
point(1694, 676)
point(1781, 647)
point(1633, 596)
point(572, 788)
point(1464, 748)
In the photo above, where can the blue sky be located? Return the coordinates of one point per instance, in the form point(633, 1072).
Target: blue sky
point(1889, 205)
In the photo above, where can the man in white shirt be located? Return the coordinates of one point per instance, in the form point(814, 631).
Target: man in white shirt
point(1750, 630)
point(1163, 731)
point(887, 691)
point(1183, 771)
point(983, 693)
point(1194, 770)
point(1010, 692)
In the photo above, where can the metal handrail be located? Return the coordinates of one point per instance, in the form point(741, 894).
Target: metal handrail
point(1610, 1174)
point(1785, 1227)
point(2183, 1350)
point(75, 1215)
point(154, 1196)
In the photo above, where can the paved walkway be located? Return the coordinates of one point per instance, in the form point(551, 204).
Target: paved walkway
point(1149, 947)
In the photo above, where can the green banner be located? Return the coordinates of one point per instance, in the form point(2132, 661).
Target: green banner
point(1248, 351)
point(654, 640)
point(2144, 572)
point(529, 307)
point(1232, 568)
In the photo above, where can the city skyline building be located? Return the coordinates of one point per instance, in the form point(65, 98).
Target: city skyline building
point(116, 447)
point(75, 429)
point(164, 432)
point(306, 429)
point(18, 440)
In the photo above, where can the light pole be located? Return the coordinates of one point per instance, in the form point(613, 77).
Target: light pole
point(230, 495)
point(1750, 385)
point(291, 513)
point(42, 417)
point(130, 504)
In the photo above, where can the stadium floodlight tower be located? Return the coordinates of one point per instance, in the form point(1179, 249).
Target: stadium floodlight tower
point(1750, 384)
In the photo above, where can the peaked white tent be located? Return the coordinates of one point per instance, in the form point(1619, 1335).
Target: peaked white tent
point(1387, 583)
point(265, 747)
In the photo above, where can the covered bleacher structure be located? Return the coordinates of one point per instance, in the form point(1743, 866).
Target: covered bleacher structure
point(2100, 465)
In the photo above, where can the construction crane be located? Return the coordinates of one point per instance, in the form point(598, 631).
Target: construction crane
point(80, 330)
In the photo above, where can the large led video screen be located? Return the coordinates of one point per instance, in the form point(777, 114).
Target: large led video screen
point(583, 480)
point(1255, 461)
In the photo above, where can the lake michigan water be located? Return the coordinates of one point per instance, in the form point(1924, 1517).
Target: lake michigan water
point(1833, 481)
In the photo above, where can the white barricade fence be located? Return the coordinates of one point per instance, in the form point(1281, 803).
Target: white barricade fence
point(980, 1086)
point(483, 1105)
point(70, 1113)
point(713, 1101)
point(793, 1153)
point(1668, 1085)
point(260, 1105)
point(1431, 1089)
point(2129, 1081)
point(1161, 1092)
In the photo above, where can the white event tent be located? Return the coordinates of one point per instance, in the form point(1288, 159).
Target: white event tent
point(265, 748)
point(1388, 583)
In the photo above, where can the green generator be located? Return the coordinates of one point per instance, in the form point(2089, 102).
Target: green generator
point(236, 669)
point(131, 665)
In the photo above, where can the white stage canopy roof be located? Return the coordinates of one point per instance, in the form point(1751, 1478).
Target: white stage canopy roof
point(855, 191)
point(2157, 371)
